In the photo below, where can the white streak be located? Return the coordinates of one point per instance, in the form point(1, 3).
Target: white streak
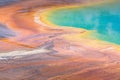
point(37, 18)
point(19, 54)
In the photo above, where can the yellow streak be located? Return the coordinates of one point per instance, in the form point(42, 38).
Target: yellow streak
point(78, 37)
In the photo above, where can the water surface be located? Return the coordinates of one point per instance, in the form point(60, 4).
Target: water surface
point(103, 18)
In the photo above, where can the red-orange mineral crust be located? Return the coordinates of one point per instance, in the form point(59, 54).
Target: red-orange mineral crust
point(34, 51)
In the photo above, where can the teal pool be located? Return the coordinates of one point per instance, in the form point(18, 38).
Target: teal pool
point(104, 19)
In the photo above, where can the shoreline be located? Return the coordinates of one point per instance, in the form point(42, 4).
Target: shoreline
point(45, 22)
point(76, 32)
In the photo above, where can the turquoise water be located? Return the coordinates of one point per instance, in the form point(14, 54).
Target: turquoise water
point(103, 18)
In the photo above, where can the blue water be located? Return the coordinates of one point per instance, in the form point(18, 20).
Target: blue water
point(103, 18)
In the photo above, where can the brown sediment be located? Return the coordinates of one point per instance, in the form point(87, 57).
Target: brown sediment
point(67, 59)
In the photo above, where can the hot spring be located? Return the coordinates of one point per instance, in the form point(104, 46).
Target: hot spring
point(103, 19)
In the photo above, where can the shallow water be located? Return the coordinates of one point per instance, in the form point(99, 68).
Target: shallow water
point(104, 19)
